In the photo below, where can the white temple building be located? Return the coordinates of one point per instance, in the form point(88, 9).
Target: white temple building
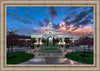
point(49, 34)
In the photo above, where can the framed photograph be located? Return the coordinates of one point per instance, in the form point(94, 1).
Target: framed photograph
point(49, 35)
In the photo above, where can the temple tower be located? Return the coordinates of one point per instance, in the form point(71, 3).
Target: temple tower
point(50, 25)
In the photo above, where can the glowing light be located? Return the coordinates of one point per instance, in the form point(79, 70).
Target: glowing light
point(59, 43)
point(64, 43)
point(40, 42)
point(35, 43)
point(50, 38)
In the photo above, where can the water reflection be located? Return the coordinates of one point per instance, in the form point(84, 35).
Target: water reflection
point(62, 60)
point(38, 60)
point(67, 61)
point(72, 62)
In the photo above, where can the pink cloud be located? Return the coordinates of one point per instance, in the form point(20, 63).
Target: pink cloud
point(40, 30)
point(75, 33)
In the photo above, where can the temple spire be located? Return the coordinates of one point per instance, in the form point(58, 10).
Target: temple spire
point(50, 25)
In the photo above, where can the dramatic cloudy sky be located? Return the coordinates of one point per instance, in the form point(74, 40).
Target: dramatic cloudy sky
point(72, 20)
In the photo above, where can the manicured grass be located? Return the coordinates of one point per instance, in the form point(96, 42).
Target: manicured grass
point(19, 57)
point(49, 48)
point(76, 56)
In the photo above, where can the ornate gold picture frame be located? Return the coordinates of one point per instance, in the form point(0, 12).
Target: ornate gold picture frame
point(48, 67)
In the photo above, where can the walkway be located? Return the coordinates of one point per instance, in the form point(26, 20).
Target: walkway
point(50, 60)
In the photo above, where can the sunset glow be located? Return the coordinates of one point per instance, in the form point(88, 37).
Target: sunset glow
point(71, 20)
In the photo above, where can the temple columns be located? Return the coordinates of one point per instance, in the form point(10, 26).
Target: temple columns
point(40, 40)
point(36, 40)
point(73, 40)
point(62, 41)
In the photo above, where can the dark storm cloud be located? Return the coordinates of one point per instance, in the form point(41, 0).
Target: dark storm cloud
point(53, 12)
point(13, 14)
point(83, 14)
point(25, 21)
point(17, 17)
point(73, 8)
point(56, 26)
point(39, 22)
point(89, 17)
point(68, 23)
point(80, 8)
point(70, 10)
point(46, 20)
point(75, 27)
point(66, 18)
point(80, 16)
point(84, 22)
point(90, 10)
point(67, 27)
point(73, 13)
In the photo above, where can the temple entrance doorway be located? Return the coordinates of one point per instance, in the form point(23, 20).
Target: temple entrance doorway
point(50, 40)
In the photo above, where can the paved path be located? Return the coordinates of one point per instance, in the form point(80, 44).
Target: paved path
point(53, 58)
point(50, 60)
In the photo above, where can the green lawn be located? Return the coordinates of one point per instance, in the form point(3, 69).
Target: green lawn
point(50, 47)
point(20, 57)
point(77, 57)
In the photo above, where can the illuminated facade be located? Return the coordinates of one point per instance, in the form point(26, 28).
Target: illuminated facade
point(49, 34)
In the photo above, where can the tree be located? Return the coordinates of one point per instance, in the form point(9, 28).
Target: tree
point(12, 39)
point(56, 40)
point(82, 41)
point(67, 41)
point(86, 40)
point(8, 44)
point(71, 43)
point(33, 41)
point(77, 43)
point(22, 43)
point(89, 42)
point(44, 40)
